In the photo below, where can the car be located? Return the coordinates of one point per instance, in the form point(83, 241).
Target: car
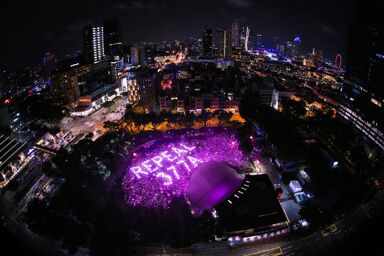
point(328, 230)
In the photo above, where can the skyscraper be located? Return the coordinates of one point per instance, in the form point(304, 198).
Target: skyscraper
point(296, 47)
point(245, 38)
point(259, 41)
point(113, 38)
point(207, 42)
point(138, 55)
point(49, 63)
point(222, 43)
point(94, 44)
point(288, 49)
point(235, 33)
point(365, 60)
point(275, 42)
point(363, 88)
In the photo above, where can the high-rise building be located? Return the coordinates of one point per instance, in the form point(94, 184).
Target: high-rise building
point(259, 41)
point(207, 42)
point(365, 60)
point(288, 49)
point(113, 38)
point(94, 44)
point(146, 86)
point(296, 47)
point(221, 43)
point(275, 43)
point(245, 38)
point(235, 29)
point(49, 63)
point(363, 87)
point(138, 55)
point(317, 57)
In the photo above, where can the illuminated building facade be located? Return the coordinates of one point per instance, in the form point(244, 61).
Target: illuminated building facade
point(195, 104)
point(296, 46)
point(269, 97)
point(66, 84)
point(133, 91)
point(94, 50)
point(137, 55)
point(141, 90)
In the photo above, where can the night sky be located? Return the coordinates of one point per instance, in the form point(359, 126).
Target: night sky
point(31, 28)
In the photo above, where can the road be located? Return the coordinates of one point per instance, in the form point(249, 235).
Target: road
point(341, 241)
point(12, 202)
point(93, 123)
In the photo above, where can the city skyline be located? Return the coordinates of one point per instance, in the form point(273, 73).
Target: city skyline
point(226, 127)
point(35, 33)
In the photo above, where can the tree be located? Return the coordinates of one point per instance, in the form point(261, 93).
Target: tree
point(250, 108)
point(279, 128)
point(156, 119)
point(189, 119)
point(173, 120)
point(31, 109)
point(111, 126)
point(204, 117)
point(295, 108)
point(141, 121)
point(223, 116)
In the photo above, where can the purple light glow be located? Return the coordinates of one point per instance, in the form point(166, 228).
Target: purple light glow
point(162, 168)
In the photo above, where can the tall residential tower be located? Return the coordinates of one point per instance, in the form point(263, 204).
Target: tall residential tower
point(94, 44)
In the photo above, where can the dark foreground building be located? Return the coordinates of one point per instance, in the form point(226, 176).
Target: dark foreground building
point(366, 49)
point(252, 209)
point(363, 90)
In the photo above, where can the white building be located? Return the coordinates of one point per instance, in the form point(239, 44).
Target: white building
point(295, 186)
point(98, 44)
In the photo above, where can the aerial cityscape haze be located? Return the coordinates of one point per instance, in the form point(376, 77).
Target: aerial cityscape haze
point(233, 127)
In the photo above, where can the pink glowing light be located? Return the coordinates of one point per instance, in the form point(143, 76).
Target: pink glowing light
point(161, 171)
point(166, 84)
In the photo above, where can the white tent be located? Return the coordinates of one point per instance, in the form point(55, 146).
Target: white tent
point(295, 186)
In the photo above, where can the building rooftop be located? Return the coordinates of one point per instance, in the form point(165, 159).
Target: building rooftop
point(9, 148)
point(211, 184)
point(253, 206)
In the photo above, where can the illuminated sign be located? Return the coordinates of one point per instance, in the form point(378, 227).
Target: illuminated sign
point(166, 84)
point(161, 169)
point(167, 164)
point(85, 100)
